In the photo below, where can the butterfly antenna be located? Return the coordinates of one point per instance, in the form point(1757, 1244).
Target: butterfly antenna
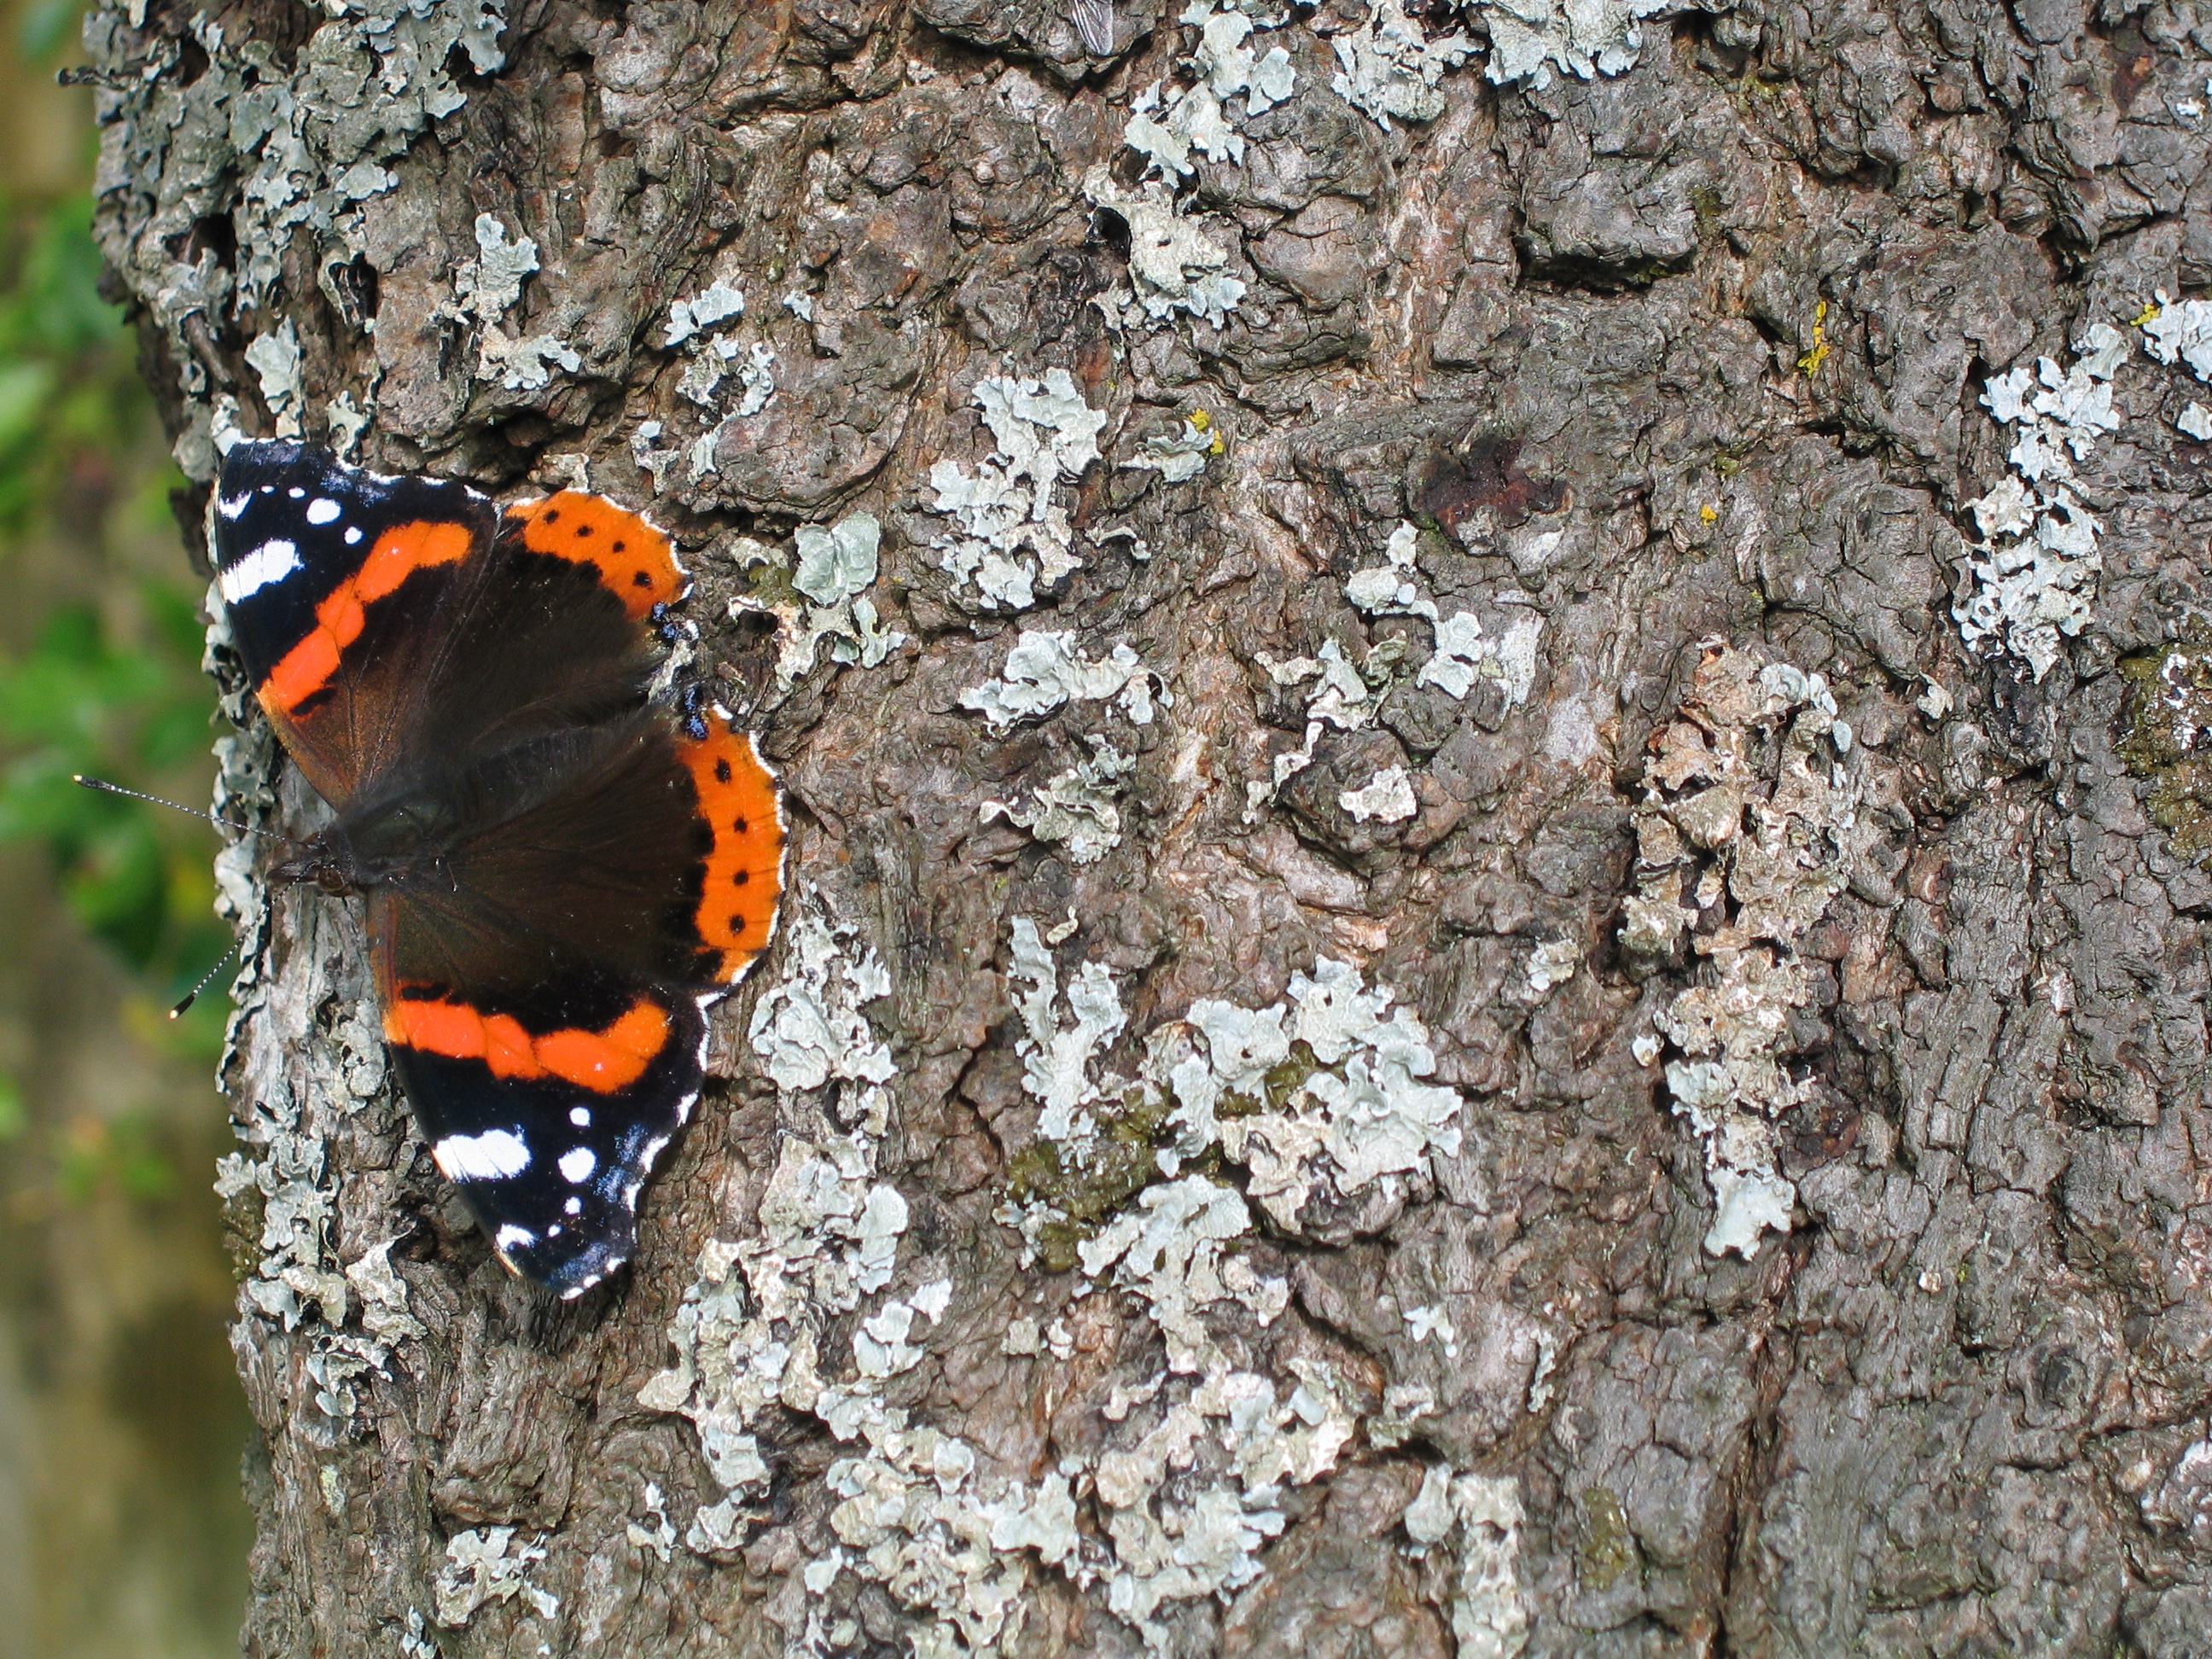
point(106, 787)
point(192, 995)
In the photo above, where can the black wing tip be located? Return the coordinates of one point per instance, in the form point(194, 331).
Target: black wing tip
point(568, 1274)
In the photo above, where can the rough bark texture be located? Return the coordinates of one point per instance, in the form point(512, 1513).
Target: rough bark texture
point(1675, 366)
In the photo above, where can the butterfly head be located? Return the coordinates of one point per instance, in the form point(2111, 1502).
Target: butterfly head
point(326, 862)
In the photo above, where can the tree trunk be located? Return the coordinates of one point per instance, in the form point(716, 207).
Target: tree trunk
point(1457, 978)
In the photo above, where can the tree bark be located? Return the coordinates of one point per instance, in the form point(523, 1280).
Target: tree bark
point(1429, 1001)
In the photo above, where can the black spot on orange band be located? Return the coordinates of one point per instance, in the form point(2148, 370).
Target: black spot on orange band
point(635, 562)
point(737, 793)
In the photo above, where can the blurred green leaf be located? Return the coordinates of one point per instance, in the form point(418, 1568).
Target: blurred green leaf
point(13, 1118)
point(78, 701)
point(48, 27)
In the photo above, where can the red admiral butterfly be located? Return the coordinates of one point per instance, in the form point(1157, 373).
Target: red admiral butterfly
point(560, 879)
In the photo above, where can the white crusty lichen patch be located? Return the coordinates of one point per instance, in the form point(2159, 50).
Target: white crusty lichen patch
point(1168, 124)
point(1532, 38)
point(700, 327)
point(831, 569)
point(751, 1327)
point(1388, 797)
point(1477, 1517)
point(1327, 1089)
point(1389, 66)
point(1748, 831)
point(488, 1565)
point(1346, 695)
point(349, 1316)
point(1078, 808)
point(1010, 538)
point(1173, 266)
point(2180, 330)
point(1046, 670)
point(286, 147)
point(1180, 456)
point(2034, 569)
point(1174, 1499)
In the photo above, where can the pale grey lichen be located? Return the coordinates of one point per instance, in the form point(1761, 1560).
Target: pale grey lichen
point(2180, 330)
point(2033, 571)
point(1201, 117)
point(275, 360)
point(1180, 456)
point(1552, 963)
point(1046, 670)
point(835, 567)
point(658, 1537)
point(486, 287)
point(1172, 266)
point(1183, 1491)
point(713, 306)
point(1463, 656)
point(1531, 38)
point(1011, 538)
point(282, 151)
point(751, 1325)
point(1743, 858)
point(1078, 808)
point(1342, 698)
point(1392, 589)
point(488, 1565)
point(1388, 797)
point(699, 326)
point(1389, 66)
point(349, 1316)
point(1489, 1619)
point(1358, 1119)
point(524, 363)
point(1346, 696)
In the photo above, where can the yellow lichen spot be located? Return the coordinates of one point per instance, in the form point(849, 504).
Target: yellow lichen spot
point(2149, 315)
point(1708, 513)
point(1811, 362)
point(1201, 420)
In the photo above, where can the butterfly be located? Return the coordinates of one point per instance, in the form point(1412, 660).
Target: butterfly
point(559, 877)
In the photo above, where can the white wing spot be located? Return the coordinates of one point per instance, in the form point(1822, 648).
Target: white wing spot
point(573, 1207)
point(577, 1164)
point(295, 492)
point(512, 1237)
point(231, 505)
point(267, 563)
point(353, 534)
point(322, 510)
point(492, 1156)
point(580, 1116)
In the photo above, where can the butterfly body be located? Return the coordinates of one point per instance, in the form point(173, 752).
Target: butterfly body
point(557, 877)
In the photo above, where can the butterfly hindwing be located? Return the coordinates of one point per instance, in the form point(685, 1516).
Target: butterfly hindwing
point(550, 1128)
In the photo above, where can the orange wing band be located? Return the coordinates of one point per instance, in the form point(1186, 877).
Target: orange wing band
point(635, 562)
point(605, 1061)
point(745, 870)
point(307, 668)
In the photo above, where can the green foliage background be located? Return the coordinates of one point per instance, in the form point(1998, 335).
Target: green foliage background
point(122, 1529)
